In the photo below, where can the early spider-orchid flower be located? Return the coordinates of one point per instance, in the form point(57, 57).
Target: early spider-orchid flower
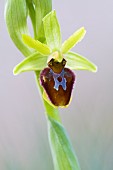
point(55, 61)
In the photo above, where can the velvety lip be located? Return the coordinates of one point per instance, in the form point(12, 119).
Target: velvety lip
point(58, 86)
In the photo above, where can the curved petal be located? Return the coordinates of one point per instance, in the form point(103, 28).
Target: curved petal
point(77, 62)
point(37, 45)
point(32, 63)
point(73, 40)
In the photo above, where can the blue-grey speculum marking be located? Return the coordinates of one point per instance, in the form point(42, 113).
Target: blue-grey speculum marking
point(57, 82)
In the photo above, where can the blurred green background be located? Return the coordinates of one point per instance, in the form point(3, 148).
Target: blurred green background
point(88, 120)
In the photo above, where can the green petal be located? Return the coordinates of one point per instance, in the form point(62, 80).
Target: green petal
point(52, 31)
point(32, 63)
point(73, 40)
point(78, 62)
point(37, 45)
point(62, 151)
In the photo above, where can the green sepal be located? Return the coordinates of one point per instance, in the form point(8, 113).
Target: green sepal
point(73, 40)
point(52, 31)
point(35, 62)
point(37, 45)
point(62, 151)
point(16, 13)
point(77, 62)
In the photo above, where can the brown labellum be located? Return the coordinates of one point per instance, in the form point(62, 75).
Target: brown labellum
point(58, 82)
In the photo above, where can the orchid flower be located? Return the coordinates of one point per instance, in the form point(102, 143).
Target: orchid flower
point(58, 78)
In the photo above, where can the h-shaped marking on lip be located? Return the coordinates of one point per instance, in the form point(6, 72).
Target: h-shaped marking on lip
point(57, 82)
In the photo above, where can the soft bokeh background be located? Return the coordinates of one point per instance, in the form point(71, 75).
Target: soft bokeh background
point(89, 118)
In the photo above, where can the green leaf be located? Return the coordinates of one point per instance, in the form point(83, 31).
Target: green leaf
point(62, 151)
point(77, 62)
point(73, 40)
point(52, 31)
point(32, 63)
point(16, 13)
point(37, 45)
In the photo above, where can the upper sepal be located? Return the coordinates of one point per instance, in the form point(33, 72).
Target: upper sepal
point(52, 31)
